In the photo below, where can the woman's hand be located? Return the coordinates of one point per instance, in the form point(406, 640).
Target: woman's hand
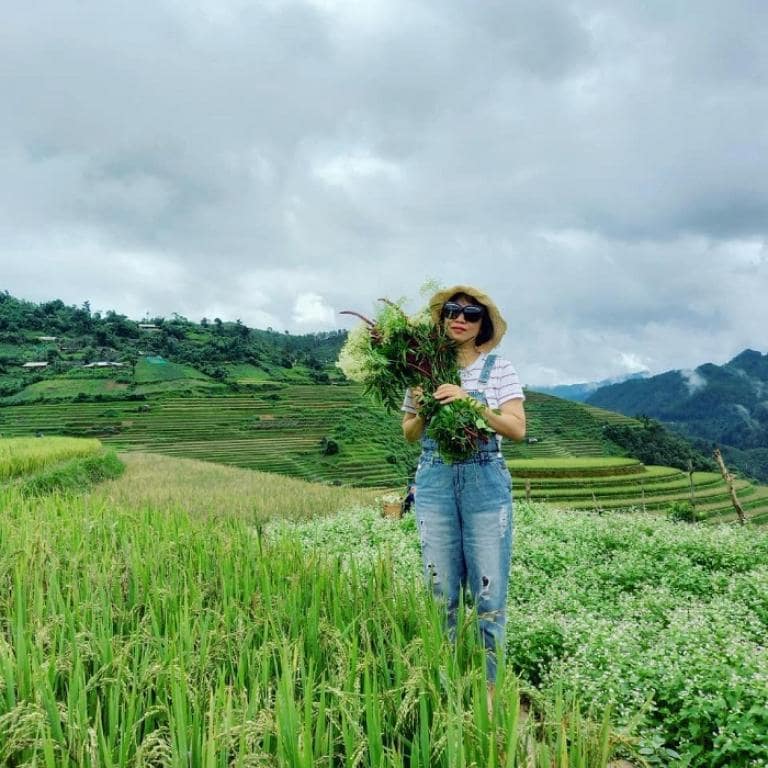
point(447, 393)
point(417, 394)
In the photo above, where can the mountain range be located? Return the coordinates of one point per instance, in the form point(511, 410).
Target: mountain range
point(583, 390)
point(724, 405)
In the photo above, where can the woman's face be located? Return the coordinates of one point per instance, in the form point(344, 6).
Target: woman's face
point(461, 330)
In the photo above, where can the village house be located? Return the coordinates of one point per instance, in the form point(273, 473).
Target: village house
point(30, 366)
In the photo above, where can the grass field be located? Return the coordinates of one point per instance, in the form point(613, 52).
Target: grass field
point(157, 369)
point(190, 614)
point(605, 483)
point(26, 455)
point(279, 427)
point(142, 636)
point(40, 466)
point(66, 388)
point(243, 373)
point(202, 490)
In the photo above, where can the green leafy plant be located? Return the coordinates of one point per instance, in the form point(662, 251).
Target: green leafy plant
point(682, 511)
point(394, 352)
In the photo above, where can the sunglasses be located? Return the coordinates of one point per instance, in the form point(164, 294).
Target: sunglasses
point(472, 313)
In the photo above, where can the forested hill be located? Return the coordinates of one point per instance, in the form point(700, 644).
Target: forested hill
point(64, 336)
point(725, 404)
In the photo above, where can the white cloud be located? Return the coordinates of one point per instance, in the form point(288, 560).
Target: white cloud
point(632, 363)
point(694, 381)
point(347, 169)
point(311, 310)
point(594, 165)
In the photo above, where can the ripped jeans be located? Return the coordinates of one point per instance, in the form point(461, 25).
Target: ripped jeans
point(464, 514)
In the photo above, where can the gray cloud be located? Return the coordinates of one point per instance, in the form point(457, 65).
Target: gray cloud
point(601, 167)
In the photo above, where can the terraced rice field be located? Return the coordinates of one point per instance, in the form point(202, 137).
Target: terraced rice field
point(279, 429)
point(561, 428)
point(597, 484)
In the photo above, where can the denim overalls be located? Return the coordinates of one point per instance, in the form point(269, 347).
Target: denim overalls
point(464, 513)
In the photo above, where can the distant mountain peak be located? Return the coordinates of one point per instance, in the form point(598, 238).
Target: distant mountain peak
point(750, 355)
point(581, 391)
point(750, 363)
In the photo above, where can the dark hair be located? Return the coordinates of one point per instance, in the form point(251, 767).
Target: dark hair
point(486, 325)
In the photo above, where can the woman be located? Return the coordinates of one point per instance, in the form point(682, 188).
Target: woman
point(464, 509)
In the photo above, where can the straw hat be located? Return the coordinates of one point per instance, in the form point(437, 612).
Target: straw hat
point(497, 321)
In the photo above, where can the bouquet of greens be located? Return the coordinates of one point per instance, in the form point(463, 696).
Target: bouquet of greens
point(393, 352)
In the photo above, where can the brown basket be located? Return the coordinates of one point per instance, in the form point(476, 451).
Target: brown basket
point(392, 511)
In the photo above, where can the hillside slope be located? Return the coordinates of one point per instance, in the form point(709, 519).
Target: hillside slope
point(40, 342)
point(727, 405)
point(317, 432)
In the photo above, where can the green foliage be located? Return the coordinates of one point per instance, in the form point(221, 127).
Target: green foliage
point(653, 444)
point(395, 352)
point(83, 337)
point(73, 476)
point(723, 405)
point(328, 446)
point(682, 511)
point(457, 428)
point(751, 461)
point(663, 623)
point(134, 638)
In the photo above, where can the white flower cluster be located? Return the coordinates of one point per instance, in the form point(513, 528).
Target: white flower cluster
point(656, 619)
point(354, 353)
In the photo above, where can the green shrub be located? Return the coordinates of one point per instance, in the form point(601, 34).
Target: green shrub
point(682, 511)
point(653, 444)
point(328, 446)
point(75, 475)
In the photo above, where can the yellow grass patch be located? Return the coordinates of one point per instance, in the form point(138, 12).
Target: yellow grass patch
point(205, 489)
point(23, 455)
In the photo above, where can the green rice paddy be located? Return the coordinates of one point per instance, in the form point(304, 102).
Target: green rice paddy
point(278, 427)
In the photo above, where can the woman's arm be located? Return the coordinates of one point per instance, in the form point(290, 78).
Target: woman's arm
point(413, 423)
point(413, 426)
point(510, 422)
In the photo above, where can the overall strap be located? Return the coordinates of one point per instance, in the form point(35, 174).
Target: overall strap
point(485, 374)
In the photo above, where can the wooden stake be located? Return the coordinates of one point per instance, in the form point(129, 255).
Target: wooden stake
point(728, 477)
point(690, 483)
point(528, 489)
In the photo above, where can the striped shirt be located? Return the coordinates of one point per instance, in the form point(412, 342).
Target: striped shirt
point(503, 383)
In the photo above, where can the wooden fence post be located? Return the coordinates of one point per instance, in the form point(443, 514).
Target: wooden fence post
point(690, 482)
point(528, 489)
point(728, 477)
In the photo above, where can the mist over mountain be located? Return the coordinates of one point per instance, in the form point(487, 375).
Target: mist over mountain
point(725, 405)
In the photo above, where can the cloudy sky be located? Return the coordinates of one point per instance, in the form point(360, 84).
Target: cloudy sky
point(599, 166)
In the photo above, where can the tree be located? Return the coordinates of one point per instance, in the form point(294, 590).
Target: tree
point(328, 446)
point(242, 330)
